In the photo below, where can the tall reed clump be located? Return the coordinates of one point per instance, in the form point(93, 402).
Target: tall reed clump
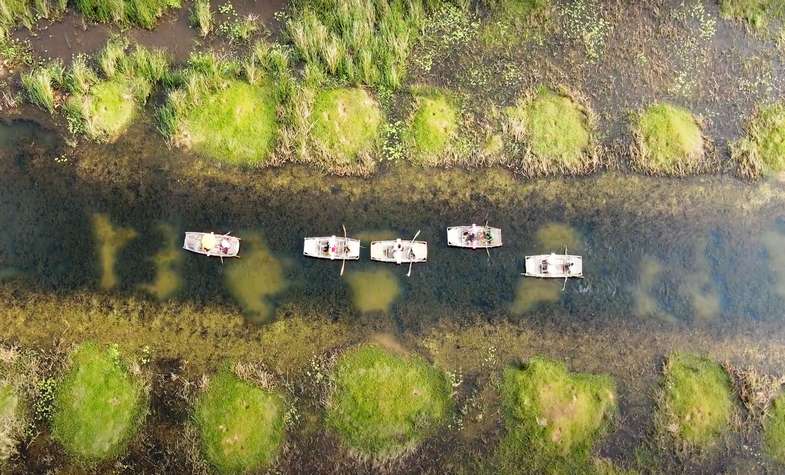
point(227, 110)
point(144, 13)
point(202, 17)
point(40, 82)
point(360, 41)
point(25, 12)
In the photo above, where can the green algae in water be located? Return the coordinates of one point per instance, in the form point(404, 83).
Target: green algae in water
point(346, 123)
point(255, 278)
point(669, 140)
point(111, 240)
point(553, 418)
point(237, 124)
point(241, 425)
point(384, 405)
point(374, 290)
point(532, 292)
point(168, 266)
point(697, 401)
point(98, 405)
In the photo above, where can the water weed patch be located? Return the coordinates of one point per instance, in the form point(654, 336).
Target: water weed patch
point(668, 141)
point(241, 425)
point(553, 417)
point(555, 131)
point(384, 405)
point(762, 150)
point(697, 403)
point(99, 405)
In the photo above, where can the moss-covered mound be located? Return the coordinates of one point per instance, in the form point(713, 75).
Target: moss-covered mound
point(98, 405)
point(697, 400)
point(346, 124)
point(432, 127)
point(553, 417)
point(756, 13)
point(384, 405)
point(241, 425)
point(556, 131)
point(11, 421)
point(774, 430)
point(237, 123)
point(762, 151)
point(669, 141)
point(108, 109)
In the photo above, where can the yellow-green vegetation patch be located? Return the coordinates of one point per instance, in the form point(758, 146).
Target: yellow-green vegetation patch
point(99, 405)
point(756, 13)
point(762, 150)
point(11, 421)
point(107, 109)
point(383, 404)
point(556, 132)
point(774, 430)
point(241, 425)
point(553, 417)
point(346, 126)
point(697, 402)
point(237, 123)
point(669, 141)
point(431, 128)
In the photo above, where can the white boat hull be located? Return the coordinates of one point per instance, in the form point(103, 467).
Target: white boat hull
point(332, 247)
point(474, 237)
point(399, 252)
point(211, 244)
point(554, 266)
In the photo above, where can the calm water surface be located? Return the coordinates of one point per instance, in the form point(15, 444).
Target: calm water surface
point(649, 251)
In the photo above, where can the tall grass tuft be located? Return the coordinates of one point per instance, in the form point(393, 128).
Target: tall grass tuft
point(81, 76)
point(14, 13)
point(144, 13)
point(39, 84)
point(202, 17)
point(111, 54)
point(357, 40)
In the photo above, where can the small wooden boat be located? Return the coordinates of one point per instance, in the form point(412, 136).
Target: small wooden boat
point(554, 266)
point(211, 244)
point(399, 251)
point(474, 237)
point(332, 247)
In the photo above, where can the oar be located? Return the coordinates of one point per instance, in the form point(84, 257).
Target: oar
point(567, 272)
point(408, 274)
point(486, 243)
point(343, 264)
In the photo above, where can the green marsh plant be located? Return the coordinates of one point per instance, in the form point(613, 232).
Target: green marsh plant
point(202, 17)
point(39, 84)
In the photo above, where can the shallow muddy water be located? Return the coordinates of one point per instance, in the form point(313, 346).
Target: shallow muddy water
point(701, 250)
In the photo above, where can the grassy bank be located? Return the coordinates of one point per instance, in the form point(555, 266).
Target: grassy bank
point(696, 406)
point(241, 424)
point(99, 405)
point(385, 405)
point(553, 418)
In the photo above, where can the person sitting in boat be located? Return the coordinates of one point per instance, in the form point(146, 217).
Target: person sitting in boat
point(544, 266)
point(568, 267)
point(225, 246)
point(326, 248)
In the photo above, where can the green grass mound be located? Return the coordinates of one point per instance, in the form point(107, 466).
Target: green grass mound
point(432, 127)
point(774, 430)
point(384, 405)
point(108, 109)
point(236, 124)
point(697, 400)
point(11, 421)
point(346, 124)
point(553, 417)
point(98, 405)
point(756, 13)
point(556, 131)
point(241, 425)
point(669, 141)
point(762, 151)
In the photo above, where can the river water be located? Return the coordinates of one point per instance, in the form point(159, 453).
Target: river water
point(111, 220)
